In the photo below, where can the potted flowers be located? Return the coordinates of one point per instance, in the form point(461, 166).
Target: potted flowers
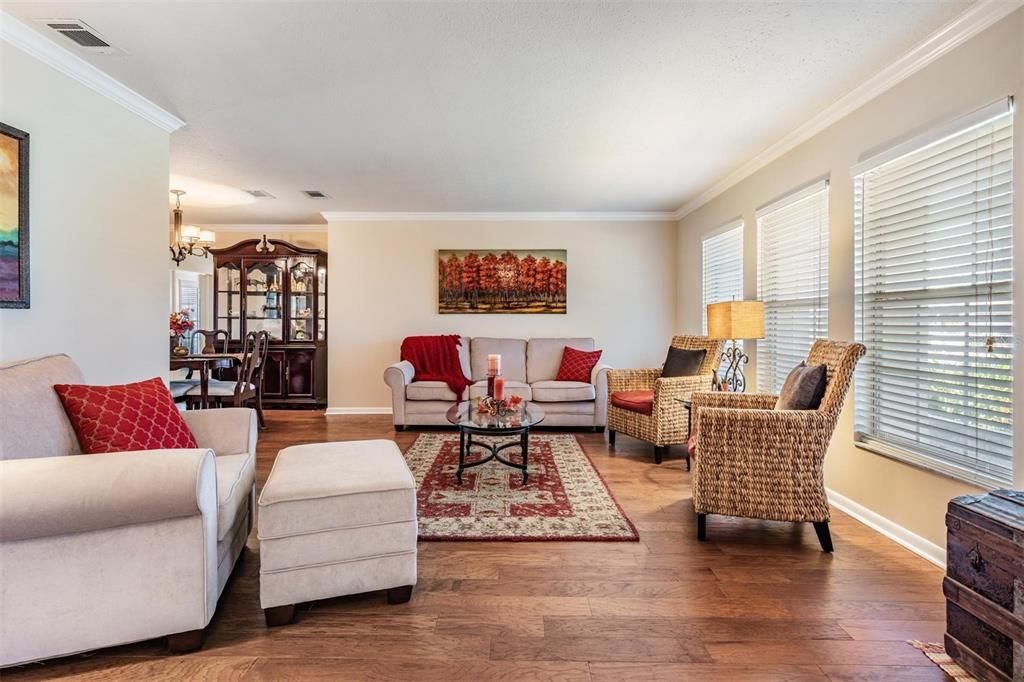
point(181, 322)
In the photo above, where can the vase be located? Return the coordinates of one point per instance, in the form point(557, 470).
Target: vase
point(177, 349)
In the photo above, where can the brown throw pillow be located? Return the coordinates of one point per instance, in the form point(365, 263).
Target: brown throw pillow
point(804, 388)
point(682, 363)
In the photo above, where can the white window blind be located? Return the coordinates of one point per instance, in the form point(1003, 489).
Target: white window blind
point(723, 271)
point(792, 280)
point(934, 301)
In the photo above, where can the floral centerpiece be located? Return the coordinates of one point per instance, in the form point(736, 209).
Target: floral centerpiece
point(502, 409)
point(180, 323)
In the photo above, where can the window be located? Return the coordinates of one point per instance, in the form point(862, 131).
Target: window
point(792, 280)
point(934, 225)
point(723, 269)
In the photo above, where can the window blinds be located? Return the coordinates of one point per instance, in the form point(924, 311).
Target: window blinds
point(934, 302)
point(792, 281)
point(723, 266)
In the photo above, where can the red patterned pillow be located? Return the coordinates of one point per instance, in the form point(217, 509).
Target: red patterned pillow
point(140, 416)
point(577, 364)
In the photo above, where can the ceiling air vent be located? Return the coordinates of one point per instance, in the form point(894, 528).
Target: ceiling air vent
point(260, 193)
point(315, 194)
point(81, 34)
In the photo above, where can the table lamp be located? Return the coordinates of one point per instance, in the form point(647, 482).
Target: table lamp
point(731, 321)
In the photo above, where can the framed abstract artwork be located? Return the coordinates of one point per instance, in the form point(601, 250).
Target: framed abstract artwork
point(501, 281)
point(14, 291)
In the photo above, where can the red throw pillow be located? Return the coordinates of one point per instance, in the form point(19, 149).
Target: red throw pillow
point(577, 364)
point(140, 416)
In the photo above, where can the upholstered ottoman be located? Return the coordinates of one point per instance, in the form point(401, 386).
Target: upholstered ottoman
point(336, 519)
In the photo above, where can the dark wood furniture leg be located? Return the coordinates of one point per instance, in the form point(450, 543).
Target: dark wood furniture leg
point(824, 536)
point(399, 595)
point(659, 452)
point(611, 438)
point(702, 527)
point(184, 642)
point(279, 615)
point(259, 408)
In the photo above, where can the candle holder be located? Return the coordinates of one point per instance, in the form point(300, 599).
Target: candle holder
point(490, 383)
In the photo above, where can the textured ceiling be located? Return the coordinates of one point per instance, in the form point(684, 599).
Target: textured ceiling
point(474, 106)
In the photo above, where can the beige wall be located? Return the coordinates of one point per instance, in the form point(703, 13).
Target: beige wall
point(986, 68)
point(383, 287)
point(98, 198)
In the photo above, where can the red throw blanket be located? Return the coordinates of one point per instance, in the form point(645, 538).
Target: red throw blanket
point(436, 358)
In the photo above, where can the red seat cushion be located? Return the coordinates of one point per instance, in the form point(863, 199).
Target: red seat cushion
point(634, 401)
point(577, 364)
point(139, 416)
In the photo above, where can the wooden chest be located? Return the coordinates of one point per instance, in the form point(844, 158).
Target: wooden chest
point(984, 584)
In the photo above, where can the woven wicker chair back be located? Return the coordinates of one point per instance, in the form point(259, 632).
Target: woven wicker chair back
point(841, 359)
point(712, 358)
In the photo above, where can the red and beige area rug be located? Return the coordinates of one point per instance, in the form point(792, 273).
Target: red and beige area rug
point(937, 655)
point(565, 497)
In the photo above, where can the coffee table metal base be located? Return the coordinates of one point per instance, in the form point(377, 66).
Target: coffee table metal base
point(466, 442)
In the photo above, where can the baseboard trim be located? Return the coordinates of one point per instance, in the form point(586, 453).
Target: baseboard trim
point(925, 549)
point(335, 411)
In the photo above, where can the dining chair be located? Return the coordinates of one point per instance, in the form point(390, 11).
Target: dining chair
point(246, 386)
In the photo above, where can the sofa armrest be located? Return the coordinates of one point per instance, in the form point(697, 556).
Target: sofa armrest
point(49, 496)
point(227, 431)
point(632, 379)
point(599, 378)
point(397, 377)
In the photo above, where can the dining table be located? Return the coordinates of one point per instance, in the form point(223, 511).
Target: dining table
point(204, 363)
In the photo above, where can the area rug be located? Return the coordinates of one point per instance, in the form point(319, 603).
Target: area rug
point(565, 497)
point(937, 655)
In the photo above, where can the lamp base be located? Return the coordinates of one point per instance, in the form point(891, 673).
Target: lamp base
point(734, 380)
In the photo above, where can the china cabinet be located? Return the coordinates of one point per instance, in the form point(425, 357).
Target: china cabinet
point(273, 286)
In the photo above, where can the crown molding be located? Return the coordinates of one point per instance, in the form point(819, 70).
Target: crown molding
point(526, 216)
point(970, 23)
point(268, 228)
point(32, 42)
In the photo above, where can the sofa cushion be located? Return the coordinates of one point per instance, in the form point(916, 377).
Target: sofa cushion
point(544, 356)
point(519, 388)
point(513, 357)
point(634, 401)
point(429, 390)
point(32, 419)
point(125, 417)
point(235, 476)
point(562, 391)
point(577, 365)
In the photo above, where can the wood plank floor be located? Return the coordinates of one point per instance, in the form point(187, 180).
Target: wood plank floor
point(759, 601)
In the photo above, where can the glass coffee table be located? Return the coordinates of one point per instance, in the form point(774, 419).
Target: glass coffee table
point(471, 423)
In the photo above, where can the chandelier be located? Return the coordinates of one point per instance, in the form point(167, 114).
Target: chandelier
point(188, 240)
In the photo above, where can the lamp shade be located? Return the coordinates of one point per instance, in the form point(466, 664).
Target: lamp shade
point(736, 320)
point(190, 232)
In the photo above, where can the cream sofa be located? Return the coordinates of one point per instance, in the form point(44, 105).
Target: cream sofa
point(529, 369)
point(100, 550)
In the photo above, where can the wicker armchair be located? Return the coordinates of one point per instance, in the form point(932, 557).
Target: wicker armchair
point(668, 422)
point(757, 462)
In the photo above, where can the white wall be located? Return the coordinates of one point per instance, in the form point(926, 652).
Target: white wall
point(98, 200)
point(982, 70)
point(382, 278)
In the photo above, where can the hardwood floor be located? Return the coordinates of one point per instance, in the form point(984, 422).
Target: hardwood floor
point(759, 601)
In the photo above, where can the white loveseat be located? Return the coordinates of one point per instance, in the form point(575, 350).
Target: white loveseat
point(529, 369)
point(100, 550)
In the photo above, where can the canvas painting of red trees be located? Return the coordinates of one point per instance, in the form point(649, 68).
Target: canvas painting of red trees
point(501, 281)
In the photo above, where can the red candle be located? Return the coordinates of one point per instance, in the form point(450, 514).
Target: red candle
point(499, 388)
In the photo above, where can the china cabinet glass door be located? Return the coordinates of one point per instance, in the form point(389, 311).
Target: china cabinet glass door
point(321, 304)
point(264, 311)
point(301, 291)
point(229, 300)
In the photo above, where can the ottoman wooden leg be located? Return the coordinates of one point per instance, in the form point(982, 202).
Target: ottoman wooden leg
point(399, 595)
point(279, 615)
